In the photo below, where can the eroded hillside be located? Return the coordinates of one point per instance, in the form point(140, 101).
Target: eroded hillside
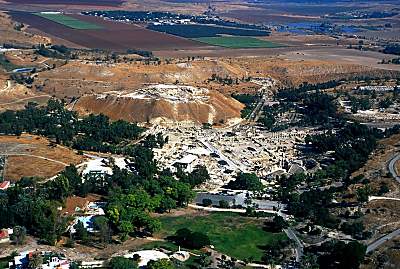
point(163, 103)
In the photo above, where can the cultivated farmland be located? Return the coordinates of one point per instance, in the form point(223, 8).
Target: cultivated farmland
point(110, 3)
point(69, 21)
point(198, 30)
point(238, 42)
point(112, 35)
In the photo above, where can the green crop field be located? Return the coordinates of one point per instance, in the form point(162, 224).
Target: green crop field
point(69, 21)
point(230, 233)
point(238, 42)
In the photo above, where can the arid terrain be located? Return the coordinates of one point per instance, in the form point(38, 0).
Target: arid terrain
point(34, 156)
point(240, 133)
point(163, 102)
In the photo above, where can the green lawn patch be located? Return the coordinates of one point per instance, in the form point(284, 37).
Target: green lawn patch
point(230, 233)
point(69, 21)
point(238, 42)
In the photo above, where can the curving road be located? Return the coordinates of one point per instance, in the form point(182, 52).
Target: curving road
point(299, 246)
point(374, 245)
point(377, 243)
point(392, 167)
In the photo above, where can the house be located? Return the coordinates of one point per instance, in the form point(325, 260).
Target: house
point(50, 260)
point(5, 235)
point(21, 260)
point(55, 262)
point(187, 163)
point(215, 198)
point(4, 185)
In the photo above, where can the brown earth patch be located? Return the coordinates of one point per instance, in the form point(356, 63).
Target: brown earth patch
point(72, 202)
point(30, 155)
point(218, 109)
point(78, 78)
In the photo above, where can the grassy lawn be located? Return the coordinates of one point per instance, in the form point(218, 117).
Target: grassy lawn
point(230, 233)
point(238, 42)
point(69, 21)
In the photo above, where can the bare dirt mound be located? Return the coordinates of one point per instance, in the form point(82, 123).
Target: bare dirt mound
point(165, 102)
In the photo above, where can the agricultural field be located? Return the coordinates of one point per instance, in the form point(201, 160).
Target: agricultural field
point(230, 233)
point(111, 3)
point(198, 30)
point(69, 21)
point(112, 35)
point(238, 42)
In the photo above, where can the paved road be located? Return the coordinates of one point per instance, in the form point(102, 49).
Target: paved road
point(235, 210)
point(374, 198)
point(374, 245)
point(231, 164)
point(299, 246)
point(392, 167)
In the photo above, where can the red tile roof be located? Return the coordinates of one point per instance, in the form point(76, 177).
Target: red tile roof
point(4, 185)
point(3, 234)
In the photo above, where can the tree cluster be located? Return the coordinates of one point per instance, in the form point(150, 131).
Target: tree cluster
point(95, 132)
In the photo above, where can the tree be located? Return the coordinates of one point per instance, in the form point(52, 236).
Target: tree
point(363, 194)
point(60, 187)
point(19, 235)
point(101, 224)
point(121, 263)
point(223, 204)
point(184, 193)
point(75, 180)
point(342, 255)
point(278, 224)
point(383, 189)
point(198, 176)
point(386, 103)
point(160, 264)
point(246, 181)
point(189, 239)
point(309, 261)
point(204, 260)
point(80, 231)
point(166, 204)
point(125, 227)
point(207, 202)
point(35, 261)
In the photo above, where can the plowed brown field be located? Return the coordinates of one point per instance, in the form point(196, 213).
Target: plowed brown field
point(113, 35)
